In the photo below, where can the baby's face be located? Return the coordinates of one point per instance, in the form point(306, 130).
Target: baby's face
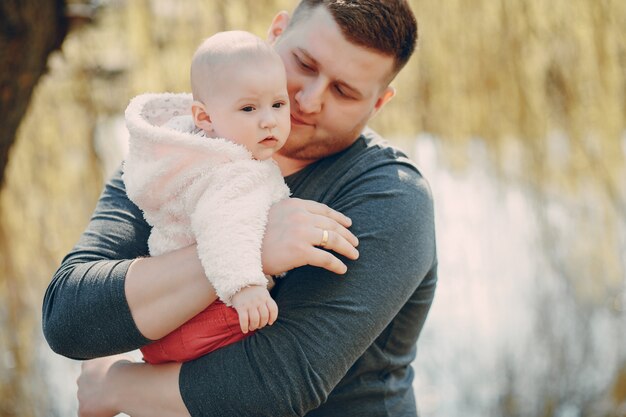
point(249, 105)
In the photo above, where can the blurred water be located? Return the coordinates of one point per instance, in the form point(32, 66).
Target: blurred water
point(487, 251)
point(60, 374)
point(506, 334)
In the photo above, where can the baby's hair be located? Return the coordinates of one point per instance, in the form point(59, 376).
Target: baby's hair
point(219, 52)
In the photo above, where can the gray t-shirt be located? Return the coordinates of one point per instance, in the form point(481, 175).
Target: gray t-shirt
point(342, 345)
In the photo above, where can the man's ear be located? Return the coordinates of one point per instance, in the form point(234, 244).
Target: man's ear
point(278, 26)
point(201, 118)
point(383, 99)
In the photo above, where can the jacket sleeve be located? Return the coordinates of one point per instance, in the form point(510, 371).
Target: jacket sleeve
point(229, 222)
point(158, 173)
point(326, 322)
point(85, 312)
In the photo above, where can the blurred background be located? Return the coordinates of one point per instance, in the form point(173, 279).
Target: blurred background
point(515, 111)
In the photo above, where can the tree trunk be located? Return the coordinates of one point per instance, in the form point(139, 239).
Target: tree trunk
point(29, 31)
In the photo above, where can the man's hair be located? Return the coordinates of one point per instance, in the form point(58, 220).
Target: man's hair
point(385, 26)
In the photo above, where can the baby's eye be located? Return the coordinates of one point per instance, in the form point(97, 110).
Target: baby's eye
point(247, 108)
point(278, 104)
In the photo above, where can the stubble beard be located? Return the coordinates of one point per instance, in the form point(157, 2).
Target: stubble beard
point(311, 148)
point(310, 151)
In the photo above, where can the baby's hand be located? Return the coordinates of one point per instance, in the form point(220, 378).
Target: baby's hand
point(256, 308)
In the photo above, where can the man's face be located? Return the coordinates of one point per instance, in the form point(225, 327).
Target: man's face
point(334, 86)
point(249, 105)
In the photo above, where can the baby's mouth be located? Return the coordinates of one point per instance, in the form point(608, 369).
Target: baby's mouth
point(269, 141)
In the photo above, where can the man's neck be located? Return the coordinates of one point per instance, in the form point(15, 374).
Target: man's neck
point(290, 166)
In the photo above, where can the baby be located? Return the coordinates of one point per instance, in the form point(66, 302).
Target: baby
point(200, 168)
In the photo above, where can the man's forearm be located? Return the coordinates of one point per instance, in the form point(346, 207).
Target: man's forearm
point(165, 291)
point(107, 297)
point(96, 305)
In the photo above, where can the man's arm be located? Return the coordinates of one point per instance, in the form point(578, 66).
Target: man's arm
point(103, 300)
point(85, 313)
point(326, 323)
point(107, 297)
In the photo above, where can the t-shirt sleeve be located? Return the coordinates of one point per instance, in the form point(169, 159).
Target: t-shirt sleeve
point(85, 311)
point(327, 321)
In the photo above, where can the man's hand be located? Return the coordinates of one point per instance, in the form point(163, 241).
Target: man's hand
point(294, 231)
point(256, 308)
point(95, 388)
point(115, 384)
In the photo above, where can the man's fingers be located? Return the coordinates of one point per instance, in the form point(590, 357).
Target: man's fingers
point(326, 260)
point(335, 242)
point(326, 223)
point(323, 210)
point(294, 231)
point(325, 218)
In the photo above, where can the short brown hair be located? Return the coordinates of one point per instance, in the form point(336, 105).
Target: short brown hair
point(386, 26)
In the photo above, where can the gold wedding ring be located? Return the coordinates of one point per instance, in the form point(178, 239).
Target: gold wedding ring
point(324, 239)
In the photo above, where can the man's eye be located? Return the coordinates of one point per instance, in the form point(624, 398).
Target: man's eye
point(341, 92)
point(247, 108)
point(302, 64)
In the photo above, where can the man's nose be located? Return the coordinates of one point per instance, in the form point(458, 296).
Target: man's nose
point(309, 98)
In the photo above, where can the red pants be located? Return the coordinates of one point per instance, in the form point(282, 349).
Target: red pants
point(213, 328)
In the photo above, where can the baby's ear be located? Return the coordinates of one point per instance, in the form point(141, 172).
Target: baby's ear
point(201, 118)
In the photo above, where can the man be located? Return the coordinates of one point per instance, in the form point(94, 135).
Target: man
point(343, 344)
